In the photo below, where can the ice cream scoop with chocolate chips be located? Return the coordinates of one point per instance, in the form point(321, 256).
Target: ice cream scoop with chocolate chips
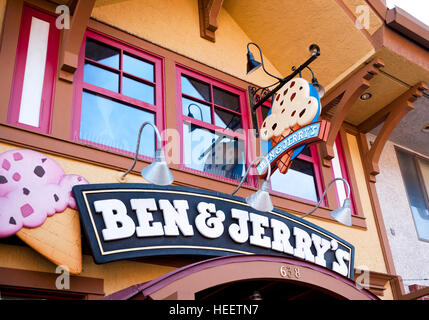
point(32, 188)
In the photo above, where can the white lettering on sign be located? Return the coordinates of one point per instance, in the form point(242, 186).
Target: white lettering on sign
point(209, 226)
point(256, 229)
point(118, 224)
point(239, 232)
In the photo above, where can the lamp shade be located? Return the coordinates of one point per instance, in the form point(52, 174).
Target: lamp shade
point(343, 214)
point(260, 200)
point(252, 64)
point(158, 172)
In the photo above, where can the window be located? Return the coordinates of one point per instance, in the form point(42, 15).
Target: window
point(305, 169)
point(118, 88)
point(214, 123)
point(35, 70)
point(415, 173)
point(339, 170)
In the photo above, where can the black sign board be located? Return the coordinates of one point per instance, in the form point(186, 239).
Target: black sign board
point(124, 221)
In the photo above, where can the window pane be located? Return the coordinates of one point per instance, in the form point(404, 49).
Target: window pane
point(116, 125)
point(138, 90)
point(415, 194)
point(195, 88)
point(298, 181)
point(196, 110)
point(101, 77)
point(32, 88)
point(264, 111)
point(212, 153)
point(306, 151)
point(102, 53)
point(139, 68)
point(226, 99)
point(227, 120)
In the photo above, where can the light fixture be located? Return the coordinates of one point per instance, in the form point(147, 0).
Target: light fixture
point(425, 128)
point(343, 214)
point(157, 172)
point(319, 88)
point(314, 50)
point(366, 96)
point(252, 64)
point(260, 200)
point(190, 114)
point(255, 296)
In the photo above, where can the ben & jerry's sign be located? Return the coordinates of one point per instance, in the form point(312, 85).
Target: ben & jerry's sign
point(125, 221)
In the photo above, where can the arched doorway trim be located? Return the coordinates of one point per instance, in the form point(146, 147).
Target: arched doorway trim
point(185, 282)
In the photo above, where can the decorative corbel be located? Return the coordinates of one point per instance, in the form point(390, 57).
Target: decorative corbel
point(72, 39)
point(391, 115)
point(344, 98)
point(209, 11)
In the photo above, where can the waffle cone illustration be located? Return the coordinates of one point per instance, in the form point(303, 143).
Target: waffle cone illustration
point(295, 105)
point(36, 203)
point(58, 240)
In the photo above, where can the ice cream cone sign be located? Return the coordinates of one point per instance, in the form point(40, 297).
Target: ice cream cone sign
point(292, 124)
point(36, 204)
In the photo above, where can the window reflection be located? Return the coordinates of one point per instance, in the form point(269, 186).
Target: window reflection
point(298, 181)
point(116, 125)
point(415, 193)
point(195, 88)
point(196, 110)
point(102, 53)
point(226, 99)
point(138, 67)
point(138, 90)
point(101, 77)
point(212, 153)
point(227, 120)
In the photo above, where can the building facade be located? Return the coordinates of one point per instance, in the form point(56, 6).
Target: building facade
point(81, 77)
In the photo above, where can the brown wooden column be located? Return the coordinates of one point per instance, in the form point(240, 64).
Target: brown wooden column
point(344, 97)
point(72, 39)
point(391, 115)
point(209, 11)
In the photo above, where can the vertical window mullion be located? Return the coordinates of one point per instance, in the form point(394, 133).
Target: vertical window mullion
point(121, 70)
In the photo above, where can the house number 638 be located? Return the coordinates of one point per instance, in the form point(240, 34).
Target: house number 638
point(290, 272)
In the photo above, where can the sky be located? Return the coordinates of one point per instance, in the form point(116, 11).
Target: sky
point(417, 8)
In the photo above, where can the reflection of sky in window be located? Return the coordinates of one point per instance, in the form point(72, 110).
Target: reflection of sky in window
point(415, 193)
point(295, 183)
point(197, 110)
point(101, 77)
point(114, 124)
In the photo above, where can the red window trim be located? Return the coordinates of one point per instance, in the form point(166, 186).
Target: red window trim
point(344, 173)
point(80, 86)
point(46, 107)
point(246, 137)
point(314, 159)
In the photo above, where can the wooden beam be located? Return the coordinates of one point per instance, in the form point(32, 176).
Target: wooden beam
point(209, 11)
point(416, 294)
point(72, 39)
point(350, 91)
point(395, 111)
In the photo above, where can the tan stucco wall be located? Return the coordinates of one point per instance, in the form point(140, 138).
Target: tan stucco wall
point(178, 30)
point(2, 11)
point(119, 275)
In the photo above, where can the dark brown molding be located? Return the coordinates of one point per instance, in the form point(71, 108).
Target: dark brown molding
point(72, 39)
point(89, 288)
point(208, 12)
point(350, 90)
point(392, 114)
point(415, 294)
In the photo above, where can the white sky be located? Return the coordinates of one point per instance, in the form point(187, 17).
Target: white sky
point(417, 8)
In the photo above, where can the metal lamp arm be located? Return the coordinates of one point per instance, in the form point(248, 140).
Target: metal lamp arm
point(138, 145)
point(262, 60)
point(324, 193)
point(248, 169)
